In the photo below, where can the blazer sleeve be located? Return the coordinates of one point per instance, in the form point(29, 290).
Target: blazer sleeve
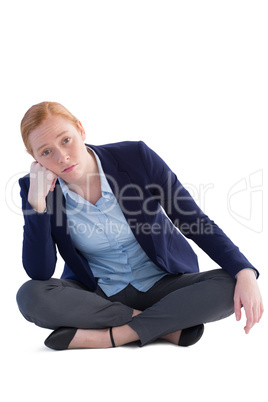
point(186, 215)
point(38, 250)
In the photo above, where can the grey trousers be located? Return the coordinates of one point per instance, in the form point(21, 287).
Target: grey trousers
point(173, 303)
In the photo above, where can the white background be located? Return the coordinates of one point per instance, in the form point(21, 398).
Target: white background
point(190, 79)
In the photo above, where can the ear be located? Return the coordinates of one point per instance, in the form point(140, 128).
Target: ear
point(83, 133)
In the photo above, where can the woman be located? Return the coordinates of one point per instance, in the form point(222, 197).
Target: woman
point(129, 274)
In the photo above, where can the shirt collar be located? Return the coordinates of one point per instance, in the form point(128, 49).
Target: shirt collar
point(105, 187)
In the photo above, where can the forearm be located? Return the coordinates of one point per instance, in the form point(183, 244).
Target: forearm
point(214, 242)
point(185, 214)
point(39, 252)
point(37, 204)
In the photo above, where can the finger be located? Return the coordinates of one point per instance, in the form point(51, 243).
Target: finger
point(50, 175)
point(33, 164)
point(257, 313)
point(237, 308)
point(250, 319)
point(261, 311)
point(53, 184)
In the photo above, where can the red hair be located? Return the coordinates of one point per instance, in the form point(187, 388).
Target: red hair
point(38, 113)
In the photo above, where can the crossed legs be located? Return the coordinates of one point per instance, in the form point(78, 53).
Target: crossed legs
point(172, 304)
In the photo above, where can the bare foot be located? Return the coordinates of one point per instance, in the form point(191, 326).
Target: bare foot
point(91, 338)
point(100, 338)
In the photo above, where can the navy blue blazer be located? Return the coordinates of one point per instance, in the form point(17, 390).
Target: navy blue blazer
point(159, 210)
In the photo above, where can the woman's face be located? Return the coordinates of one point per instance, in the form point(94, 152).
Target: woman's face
point(59, 146)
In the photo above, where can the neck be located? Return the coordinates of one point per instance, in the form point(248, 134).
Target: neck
point(90, 179)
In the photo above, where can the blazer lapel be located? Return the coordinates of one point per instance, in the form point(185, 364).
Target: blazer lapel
point(56, 206)
point(130, 197)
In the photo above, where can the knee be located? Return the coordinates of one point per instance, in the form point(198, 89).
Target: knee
point(221, 279)
point(225, 281)
point(223, 276)
point(226, 288)
point(29, 297)
point(26, 297)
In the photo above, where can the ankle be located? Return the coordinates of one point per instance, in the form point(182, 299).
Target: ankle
point(136, 312)
point(124, 335)
point(173, 337)
point(90, 338)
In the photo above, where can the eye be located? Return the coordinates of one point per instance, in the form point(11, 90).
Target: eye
point(66, 140)
point(46, 152)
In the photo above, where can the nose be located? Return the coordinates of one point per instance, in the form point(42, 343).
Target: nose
point(62, 156)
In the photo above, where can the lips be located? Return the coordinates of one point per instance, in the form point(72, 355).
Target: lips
point(69, 169)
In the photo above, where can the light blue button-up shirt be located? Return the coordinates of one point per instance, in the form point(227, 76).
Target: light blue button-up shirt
point(101, 233)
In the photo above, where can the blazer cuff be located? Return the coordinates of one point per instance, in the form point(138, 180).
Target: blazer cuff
point(252, 269)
